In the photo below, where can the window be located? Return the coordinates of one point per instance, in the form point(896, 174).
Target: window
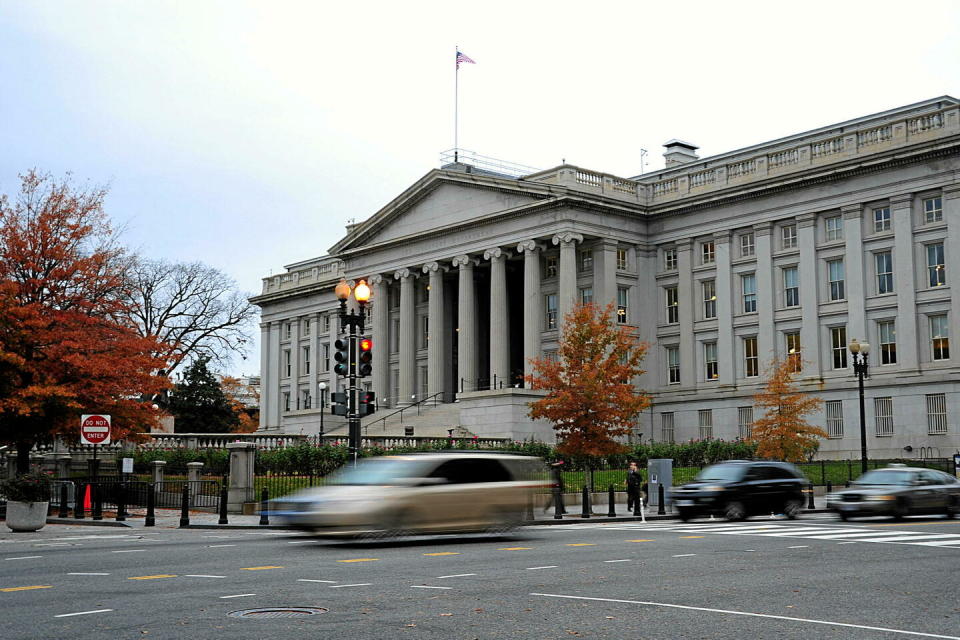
point(423, 290)
point(306, 326)
point(936, 413)
point(833, 227)
point(708, 253)
point(622, 259)
point(326, 322)
point(834, 410)
point(881, 219)
point(306, 360)
point(326, 357)
point(940, 337)
point(305, 400)
point(835, 274)
point(669, 259)
point(709, 299)
point(424, 331)
point(586, 260)
point(838, 347)
point(744, 422)
point(788, 236)
point(673, 306)
point(424, 381)
point(286, 330)
point(710, 361)
point(887, 330)
point(286, 362)
point(884, 262)
point(748, 285)
point(706, 424)
point(586, 295)
point(673, 365)
point(751, 360)
point(935, 266)
point(394, 297)
point(550, 267)
point(550, 356)
point(791, 287)
point(551, 309)
point(794, 354)
point(933, 210)
point(286, 401)
point(666, 427)
point(622, 304)
point(883, 416)
point(747, 246)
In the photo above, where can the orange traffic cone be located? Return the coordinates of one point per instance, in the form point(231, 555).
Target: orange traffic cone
point(86, 500)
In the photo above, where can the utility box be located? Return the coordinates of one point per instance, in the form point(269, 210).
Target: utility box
point(659, 472)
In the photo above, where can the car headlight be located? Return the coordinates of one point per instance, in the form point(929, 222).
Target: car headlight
point(880, 498)
point(714, 487)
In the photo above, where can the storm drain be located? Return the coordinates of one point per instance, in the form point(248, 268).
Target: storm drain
point(278, 612)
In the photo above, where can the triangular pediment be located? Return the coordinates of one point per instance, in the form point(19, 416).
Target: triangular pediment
point(440, 200)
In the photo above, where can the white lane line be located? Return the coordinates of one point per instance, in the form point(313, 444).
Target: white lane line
point(82, 613)
point(309, 580)
point(907, 538)
point(549, 566)
point(87, 574)
point(201, 575)
point(300, 542)
point(359, 584)
point(239, 595)
point(846, 543)
point(129, 551)
point(799, 546)
point(950, 544)
point(840, 536)
point(219, 546)
point(618, 561)
point(423, 586)
point(23, 558)
point(456, 575)
point(752, 615)
point(57, 544)
point(684, 555)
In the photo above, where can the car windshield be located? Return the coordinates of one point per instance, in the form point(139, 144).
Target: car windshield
point(725, 472)
point(379, 471)
point(885, 477)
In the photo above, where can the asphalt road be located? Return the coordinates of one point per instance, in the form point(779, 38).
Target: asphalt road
point(812, 578)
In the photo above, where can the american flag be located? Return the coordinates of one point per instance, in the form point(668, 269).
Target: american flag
point(462, 57)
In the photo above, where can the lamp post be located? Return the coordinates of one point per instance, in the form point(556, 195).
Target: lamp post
point(860, 351)
point(323, 403)
point(354, 321)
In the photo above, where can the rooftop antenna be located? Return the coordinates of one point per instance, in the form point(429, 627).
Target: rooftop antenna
point(643, 161)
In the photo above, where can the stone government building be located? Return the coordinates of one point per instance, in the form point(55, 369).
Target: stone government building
point(793, 246)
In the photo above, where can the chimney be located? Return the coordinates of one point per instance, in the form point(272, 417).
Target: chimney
point(679, 152)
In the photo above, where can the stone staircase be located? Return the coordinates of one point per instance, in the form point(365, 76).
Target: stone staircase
point(432, 422)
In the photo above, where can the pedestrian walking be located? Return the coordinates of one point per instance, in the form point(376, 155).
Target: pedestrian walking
point(557, 467)
point(634, 481)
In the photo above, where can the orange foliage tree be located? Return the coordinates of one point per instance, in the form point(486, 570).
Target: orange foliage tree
point(591, 398)
point(781, 432)
point(65, 348)
point(244, 399)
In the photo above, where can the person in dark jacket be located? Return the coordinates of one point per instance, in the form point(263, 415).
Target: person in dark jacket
point(634, 481)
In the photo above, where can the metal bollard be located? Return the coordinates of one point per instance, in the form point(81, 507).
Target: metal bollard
point(661, 508)
point(612, 513)
point(78, 501)
point(846, 484)
point(264, 512)
point(585, 503)
point(829, 486)
point(810, 504)
point(96, 502)
point(557, 503)
point(151, 519)
point(63, 513)
point(185, 506)
point(528, 516)
point(223, 506)
point(122, 502)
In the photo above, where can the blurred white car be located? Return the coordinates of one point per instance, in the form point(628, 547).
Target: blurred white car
point(417, 493)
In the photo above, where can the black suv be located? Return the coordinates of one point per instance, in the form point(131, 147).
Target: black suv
point(738, 488)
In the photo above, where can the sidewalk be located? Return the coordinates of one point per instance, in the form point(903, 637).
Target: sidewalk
point(170, 518)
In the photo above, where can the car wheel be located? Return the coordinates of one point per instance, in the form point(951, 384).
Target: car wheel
point(844, 516)
point(504, 522)
point(684, 514)
point(734, 511)
point(901, 510)
point(792, 508)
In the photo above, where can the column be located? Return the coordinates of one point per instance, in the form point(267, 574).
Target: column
point(726, 350)
point(313, 342)
point(648, 307)
point(766, 347)
point(381, 338)
point(267, 393)
point(605, 272)
point(688, 345)
point(466, 324)
point(273, 393)
point(905, 283)
point(853, 272)
point(408, 334)
point(499, 327)
point(436, 341)
point(295, 401)
point(809, 299)
point(951, 214)
point(567, 296)
point(532, 309)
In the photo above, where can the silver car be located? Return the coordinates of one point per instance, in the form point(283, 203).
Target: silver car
point(417, 493)
point(898, 491)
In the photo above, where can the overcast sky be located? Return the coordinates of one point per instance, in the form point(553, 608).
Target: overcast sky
point(246, 134)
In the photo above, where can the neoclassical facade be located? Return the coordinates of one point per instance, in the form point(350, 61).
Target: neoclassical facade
point(787, 249)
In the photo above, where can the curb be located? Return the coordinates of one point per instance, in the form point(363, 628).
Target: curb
point(89, 523)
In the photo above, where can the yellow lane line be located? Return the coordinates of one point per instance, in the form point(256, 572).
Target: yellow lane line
point(688, 537)
point(515, 549)
point(443, 553)
point(156, 577)
point(259, 568)
point(643, 540)
point(360, 560)
point(581, 544)
point(37, 586)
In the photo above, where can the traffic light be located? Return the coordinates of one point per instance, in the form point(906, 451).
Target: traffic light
point(342, 356)
point(365, 357)
point(368, 403)
point(338, 404)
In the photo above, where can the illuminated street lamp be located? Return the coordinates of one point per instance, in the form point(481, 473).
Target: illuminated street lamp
point(860, 351)
point(355, 321)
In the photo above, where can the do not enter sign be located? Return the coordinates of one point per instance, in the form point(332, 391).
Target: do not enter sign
point(95, 429)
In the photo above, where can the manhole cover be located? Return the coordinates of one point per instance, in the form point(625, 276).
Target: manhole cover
point(278, 612)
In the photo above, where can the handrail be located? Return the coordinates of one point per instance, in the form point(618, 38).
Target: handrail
point(417, 404)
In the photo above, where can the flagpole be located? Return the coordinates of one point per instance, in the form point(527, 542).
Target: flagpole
point(456, 103)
